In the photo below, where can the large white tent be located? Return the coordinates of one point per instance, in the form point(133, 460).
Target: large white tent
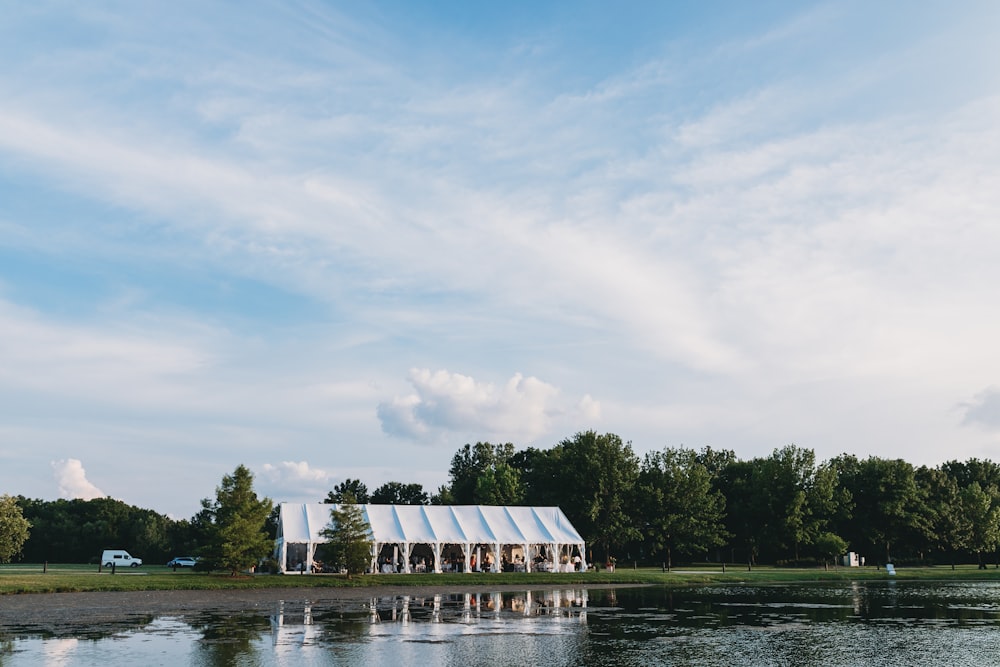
point(407, 538)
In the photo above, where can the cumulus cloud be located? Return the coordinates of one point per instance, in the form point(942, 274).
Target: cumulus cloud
point(294, 480)
point(589, 408)
point(983, 410)
point(73, 482)
point(444, 402)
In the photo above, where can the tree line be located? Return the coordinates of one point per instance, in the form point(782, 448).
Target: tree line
point(233, 531)
point(674, 504)
point(680, 503)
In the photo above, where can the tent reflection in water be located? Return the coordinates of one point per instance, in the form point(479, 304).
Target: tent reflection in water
point(441, 538)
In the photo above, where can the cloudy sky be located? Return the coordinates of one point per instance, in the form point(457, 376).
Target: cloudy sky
point(331, 240)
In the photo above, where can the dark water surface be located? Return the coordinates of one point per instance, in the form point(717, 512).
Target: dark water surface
point(864, 623)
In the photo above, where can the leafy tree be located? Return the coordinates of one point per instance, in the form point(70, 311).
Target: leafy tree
point(14, 528)
point(499, 485)
point(985, 472)
point(483, 474)
point(355, 487)
point(982, 508)
point(949, 525)
point(397, 493)
point(348, 537)
point(888, 503)
point(597, 485)
point(715, 461)
point(679, 508)
point(738, 481)
point(239, 536)
point(542, 474)
point(798, 500)
point(443, 496)
point(829, 546)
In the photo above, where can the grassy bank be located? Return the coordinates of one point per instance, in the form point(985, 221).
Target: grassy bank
point(24, 578)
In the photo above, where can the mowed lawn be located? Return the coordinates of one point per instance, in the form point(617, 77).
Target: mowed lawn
point(36, 578)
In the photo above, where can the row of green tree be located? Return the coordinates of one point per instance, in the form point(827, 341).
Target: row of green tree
point(708, 504)
point(676, 503)
point(232, 531)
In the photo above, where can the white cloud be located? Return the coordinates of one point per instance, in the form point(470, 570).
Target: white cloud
point(294, 480)
point(589, 409)
point(72, 480)
point(445, 403)
point(295, 472)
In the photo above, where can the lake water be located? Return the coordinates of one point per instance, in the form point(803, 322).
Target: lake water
point(869, 623)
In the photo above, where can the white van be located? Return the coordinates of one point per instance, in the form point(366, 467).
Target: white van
point(119, 558)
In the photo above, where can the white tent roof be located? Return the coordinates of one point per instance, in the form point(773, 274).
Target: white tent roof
point(428, 524)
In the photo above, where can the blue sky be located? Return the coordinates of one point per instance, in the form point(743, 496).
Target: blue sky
point(332, 240)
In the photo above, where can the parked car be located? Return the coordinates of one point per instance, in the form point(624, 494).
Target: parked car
point(119, 558)
point(182, 561)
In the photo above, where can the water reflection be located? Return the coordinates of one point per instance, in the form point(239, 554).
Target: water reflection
point(855, 623)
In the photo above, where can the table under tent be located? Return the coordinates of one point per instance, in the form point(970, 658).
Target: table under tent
point(441, 538)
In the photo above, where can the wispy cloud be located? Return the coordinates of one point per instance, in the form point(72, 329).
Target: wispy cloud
point(705, 240)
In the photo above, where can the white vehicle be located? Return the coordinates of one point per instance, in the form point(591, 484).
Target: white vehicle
point(119, 558)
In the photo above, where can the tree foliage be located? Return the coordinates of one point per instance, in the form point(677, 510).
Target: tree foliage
point(600, 472)
point(14, 528)
point(76, 531)
point(982, 507)
point(671, 505)
point(238, 537)
point(679, 508)
point(397, 493)
point(348, 538)
point(829, 546)
point(483, 474)
point(888, 504)
point(355, 487)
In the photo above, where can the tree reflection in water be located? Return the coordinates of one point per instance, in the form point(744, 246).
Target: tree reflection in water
point(229, 638)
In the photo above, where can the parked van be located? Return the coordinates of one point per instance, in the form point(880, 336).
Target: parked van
point(119, 558)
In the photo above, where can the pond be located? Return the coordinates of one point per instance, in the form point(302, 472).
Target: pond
point(863, 623)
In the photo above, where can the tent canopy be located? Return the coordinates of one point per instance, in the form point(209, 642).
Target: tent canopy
point(433, 525)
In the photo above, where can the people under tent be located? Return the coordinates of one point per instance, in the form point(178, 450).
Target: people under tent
point(440, 538)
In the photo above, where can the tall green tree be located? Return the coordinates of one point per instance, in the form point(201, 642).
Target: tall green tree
point(950, 528)
point(830, 546)
point(355, 487)
point(982, 508)
point(348, 537)
point(888, 504)
point(799, 500)
point(542, 475)
point(239, 537)
point(14, 528)
point(483, 474)
point(597, 488)
point(679, 509)
point(397, 493)
point(738, 482)
point(983, 471)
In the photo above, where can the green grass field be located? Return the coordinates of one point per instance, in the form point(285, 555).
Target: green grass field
point(30, 578)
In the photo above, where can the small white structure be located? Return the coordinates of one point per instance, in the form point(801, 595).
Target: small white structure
point(852, 560)
point(440, 538)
